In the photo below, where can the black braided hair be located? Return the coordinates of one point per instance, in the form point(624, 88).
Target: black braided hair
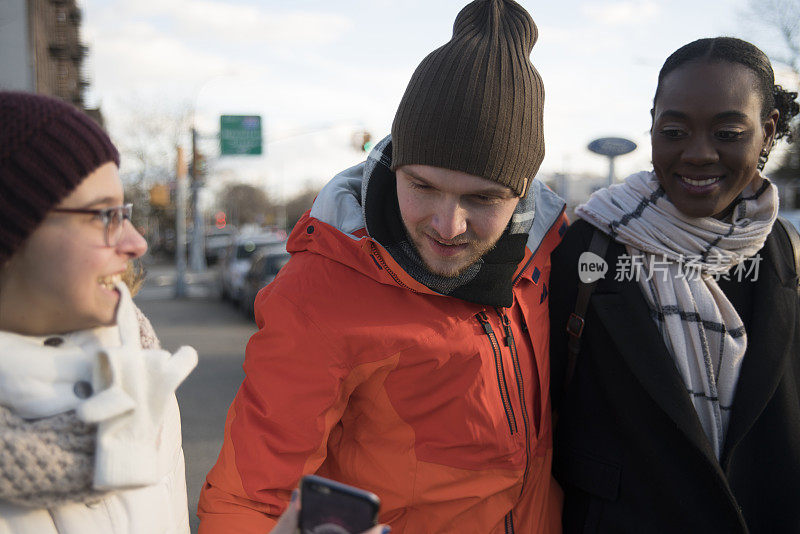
point(738, 51)
point(786, 104)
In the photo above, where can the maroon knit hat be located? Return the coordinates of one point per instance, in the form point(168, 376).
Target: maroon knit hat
point(47, 148)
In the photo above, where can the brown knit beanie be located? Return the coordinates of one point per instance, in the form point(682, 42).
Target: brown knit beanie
point(475, 104)
point(47, 148)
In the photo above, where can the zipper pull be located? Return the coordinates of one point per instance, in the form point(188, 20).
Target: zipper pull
point(484, 320)
point(506, 326)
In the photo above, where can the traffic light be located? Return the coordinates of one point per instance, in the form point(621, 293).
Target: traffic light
point(362, 141)
point(198, 167)
point(220, 220)
point(159, 195)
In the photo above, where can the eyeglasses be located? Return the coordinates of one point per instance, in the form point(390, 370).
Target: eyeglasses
point(113, 219)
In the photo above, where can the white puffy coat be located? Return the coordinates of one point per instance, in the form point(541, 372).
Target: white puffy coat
point(138, 459)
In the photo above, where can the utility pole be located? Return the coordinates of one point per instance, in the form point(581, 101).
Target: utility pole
point(197, 257)
point(180, 224)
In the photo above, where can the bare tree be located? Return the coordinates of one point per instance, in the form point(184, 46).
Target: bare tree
point(244, 204)
point(146, 133)
point(783, 16)
point(298, 204)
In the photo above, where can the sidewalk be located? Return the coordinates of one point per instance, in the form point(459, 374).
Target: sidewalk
point(160, 282)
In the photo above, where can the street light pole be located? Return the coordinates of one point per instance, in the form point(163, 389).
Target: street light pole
point(611, 147)
point(611, 170)
point(197, 257)
point(180, 225)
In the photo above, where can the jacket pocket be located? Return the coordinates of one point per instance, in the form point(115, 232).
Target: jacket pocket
point(594, 475)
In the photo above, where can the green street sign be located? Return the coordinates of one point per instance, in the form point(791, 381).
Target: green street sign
point(240, 135)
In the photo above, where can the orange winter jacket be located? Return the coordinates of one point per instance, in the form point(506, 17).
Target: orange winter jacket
point(361, 374)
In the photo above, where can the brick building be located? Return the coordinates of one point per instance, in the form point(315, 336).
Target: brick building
point(41, 50)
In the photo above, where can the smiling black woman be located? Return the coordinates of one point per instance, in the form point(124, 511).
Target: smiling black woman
point(683, 412)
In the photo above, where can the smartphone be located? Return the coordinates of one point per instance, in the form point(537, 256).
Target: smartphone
point(328, 507)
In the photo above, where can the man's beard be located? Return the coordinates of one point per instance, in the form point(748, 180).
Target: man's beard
point(448, 274)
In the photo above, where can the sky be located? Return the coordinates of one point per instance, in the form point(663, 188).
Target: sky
point(319, 70)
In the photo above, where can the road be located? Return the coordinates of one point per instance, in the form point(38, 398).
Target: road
point(219, 333)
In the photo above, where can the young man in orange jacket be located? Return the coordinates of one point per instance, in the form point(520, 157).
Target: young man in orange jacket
point(404, 347)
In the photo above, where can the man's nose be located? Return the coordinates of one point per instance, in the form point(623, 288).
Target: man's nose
point(449, 220)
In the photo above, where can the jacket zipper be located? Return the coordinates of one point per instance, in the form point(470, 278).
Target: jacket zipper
point(379, 259)
point(509, 523)
point(520, 387)
point(500, 371)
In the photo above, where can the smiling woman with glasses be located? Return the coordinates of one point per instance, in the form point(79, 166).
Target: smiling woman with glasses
point(89, 423)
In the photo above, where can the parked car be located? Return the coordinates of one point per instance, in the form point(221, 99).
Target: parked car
point(238, 257)
point(217, 241)
point(263, 271)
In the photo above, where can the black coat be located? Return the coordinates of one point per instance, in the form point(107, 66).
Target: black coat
point(630, 452)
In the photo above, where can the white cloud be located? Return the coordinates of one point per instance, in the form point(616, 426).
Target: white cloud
point(172, 48)
point(233, 23)
point(330, 67)
point(623, 12)
point(249, 24)
point(137, 53)
point(786, 76)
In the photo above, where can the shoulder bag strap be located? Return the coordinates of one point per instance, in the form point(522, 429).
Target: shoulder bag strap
point(598, 245)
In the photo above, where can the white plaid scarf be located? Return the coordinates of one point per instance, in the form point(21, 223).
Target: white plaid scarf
point(699, 325)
